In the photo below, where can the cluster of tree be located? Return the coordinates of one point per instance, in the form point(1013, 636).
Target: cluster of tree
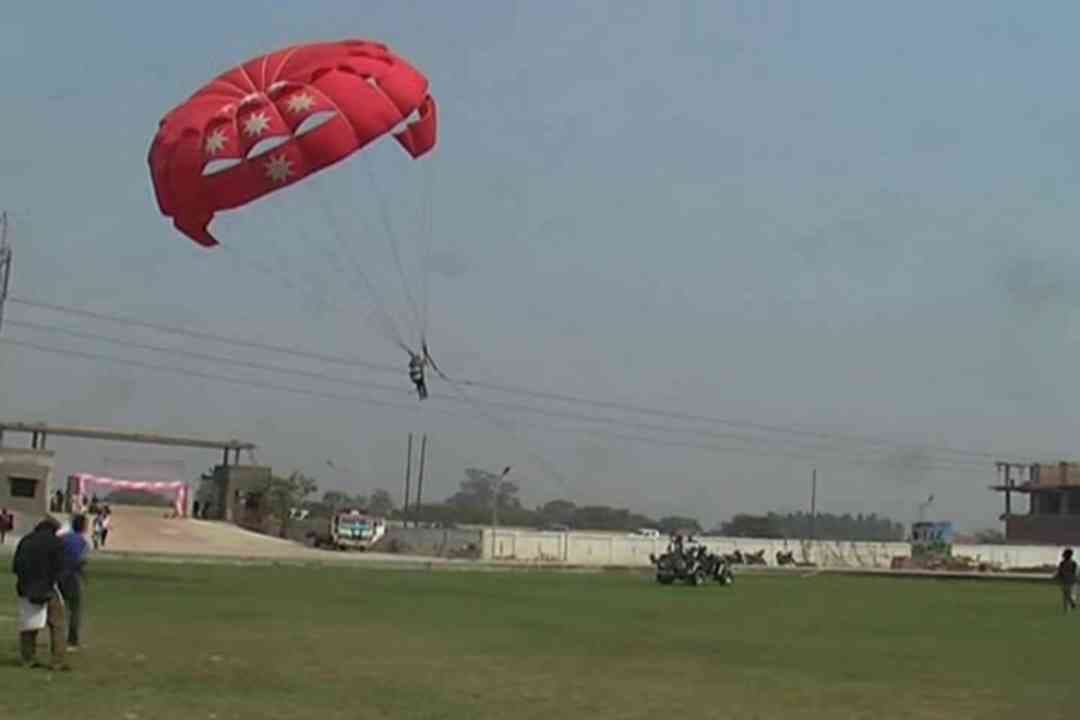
point(474, 504)
point(482, 494)
point(282, 494)
point(380, 502)
point(825, 526)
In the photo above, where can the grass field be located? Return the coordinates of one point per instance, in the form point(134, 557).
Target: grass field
point(219, 642)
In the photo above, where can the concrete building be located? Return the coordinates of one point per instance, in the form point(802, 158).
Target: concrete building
point(238, 494)
point(1052, 516)
point(26, 479)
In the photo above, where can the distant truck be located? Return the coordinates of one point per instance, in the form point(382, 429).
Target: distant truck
point(348, 530)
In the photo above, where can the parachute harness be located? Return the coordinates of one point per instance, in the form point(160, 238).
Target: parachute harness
point(417, 363)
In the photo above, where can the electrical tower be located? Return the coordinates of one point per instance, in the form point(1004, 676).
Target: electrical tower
point(5, 265)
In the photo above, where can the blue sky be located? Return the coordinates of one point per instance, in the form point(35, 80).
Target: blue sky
point(847, 217)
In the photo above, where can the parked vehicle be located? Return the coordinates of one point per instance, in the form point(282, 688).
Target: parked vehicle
point(693, 564)
point(349, 529)
point(716, 566)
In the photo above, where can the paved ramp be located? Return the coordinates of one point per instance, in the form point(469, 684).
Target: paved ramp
point(146, 531)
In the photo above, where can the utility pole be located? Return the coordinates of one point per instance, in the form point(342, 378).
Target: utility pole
point(5, 265)
point(420, 477)
point(408, 477)
point(495, 507)
point(813, 505)
point(924, 506)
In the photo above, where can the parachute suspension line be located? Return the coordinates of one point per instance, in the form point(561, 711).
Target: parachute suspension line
point(510, 430)
point(281, 271)
point(286, 226)
point(427, 232)
point(389, 325)
point(395, 248)
point(392, 327)
point(248, 263)
point(292, 224)
point(297, 227)
point(327, 250)
point(252, 261)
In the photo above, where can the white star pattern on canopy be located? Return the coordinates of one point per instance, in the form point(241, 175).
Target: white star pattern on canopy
point(300, 102)
point(279, 168)
point(215, 142)
point(257, 124)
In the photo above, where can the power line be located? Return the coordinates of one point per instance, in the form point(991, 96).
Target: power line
point(202, 335)
point(786, 430)
point(509, 389)
point(197, 373)
point(361, 399)
point(562, 415)
point(251, 364)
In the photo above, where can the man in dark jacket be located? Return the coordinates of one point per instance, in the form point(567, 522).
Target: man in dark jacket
point(1066, 578)
point(39, 561)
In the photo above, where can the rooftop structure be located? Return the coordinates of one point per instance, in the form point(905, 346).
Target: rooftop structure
point(1053, 492)
point(40, 432)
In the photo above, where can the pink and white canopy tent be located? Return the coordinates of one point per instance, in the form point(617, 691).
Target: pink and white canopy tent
point(80, 483)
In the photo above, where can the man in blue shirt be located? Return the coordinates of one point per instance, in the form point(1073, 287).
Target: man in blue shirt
point(71, 577)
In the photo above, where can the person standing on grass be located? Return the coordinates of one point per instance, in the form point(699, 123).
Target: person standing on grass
point(106, 524)
point(102, 521)
point(95, 531)
point(39, 559)
point(7, 524)
point(71, 578)
point(1066, 577)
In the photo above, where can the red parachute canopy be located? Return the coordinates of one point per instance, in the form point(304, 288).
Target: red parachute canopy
point(254, 129)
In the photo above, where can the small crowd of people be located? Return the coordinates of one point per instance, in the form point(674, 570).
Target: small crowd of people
point(50, 568)
point(81, 505)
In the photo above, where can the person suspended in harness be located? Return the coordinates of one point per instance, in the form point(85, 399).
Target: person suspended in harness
point(416, 374)
point(418, 362)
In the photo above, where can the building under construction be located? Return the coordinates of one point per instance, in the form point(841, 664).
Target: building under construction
point(1052, 515)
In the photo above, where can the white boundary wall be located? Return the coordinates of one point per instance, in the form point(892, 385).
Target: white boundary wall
point(584, 548)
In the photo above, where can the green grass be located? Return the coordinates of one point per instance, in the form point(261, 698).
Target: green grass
point(219, 641)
